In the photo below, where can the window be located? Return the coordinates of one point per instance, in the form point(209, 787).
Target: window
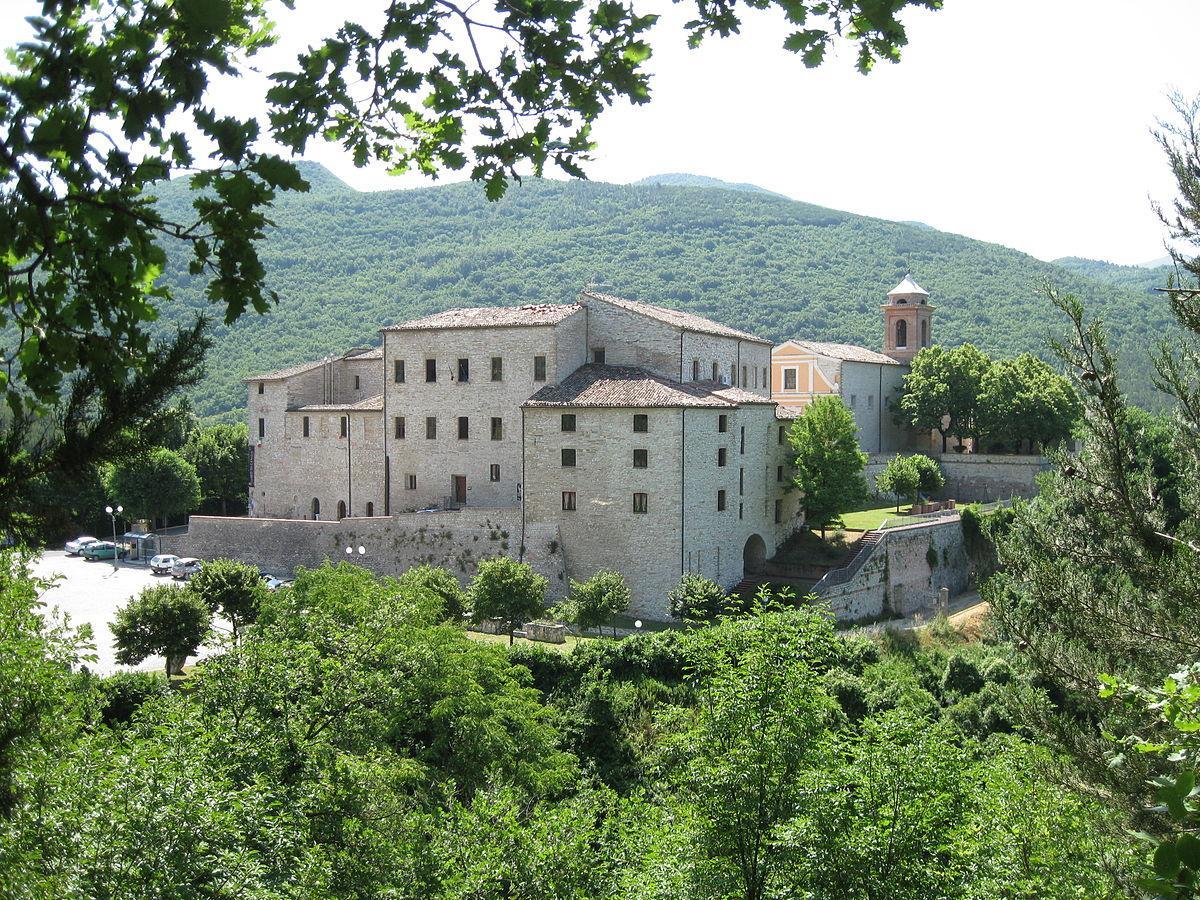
point(539, 368)
point(494, 472)
point(789, 379)
point(641, 423)
point(742, 441)
point(568, 501)
point(695, 370)
point(345, 424)
point(399, 428)
point(370, 509)
point(901, 335)
point(304, 427)
point(431, 370)
point(741, 509)
point(568, 422)
point(497, 428)
point(641, 458)
point(398, 374)
point(720, 501)
point(598, 355)
point(464, 370)
point(853, 400)
point(870, 401)
point(410, 482)
point(721, 453)
point(640, 503)
point(464, 428)
point(766, 381)
point(260, 387)
point(568, 457)
point(316, 508)
point(722, 423)
point(741, 481)
point(924, 335)
point(733, 374)
point(262, 428)
point(714, 378)
point(497, 368)
point(430, 427)
point(357, 383)
point(745, 378)
point(779, 473)
point(341, 509)
point(251, 466)
point(778, 511)
point(780, 441)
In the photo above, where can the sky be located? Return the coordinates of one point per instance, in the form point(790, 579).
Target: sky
point(1022, 122)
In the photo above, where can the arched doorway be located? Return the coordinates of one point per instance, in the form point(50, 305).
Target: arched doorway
point(316, 508)
point(370, 509)
point(754, 554)
point(341, 509)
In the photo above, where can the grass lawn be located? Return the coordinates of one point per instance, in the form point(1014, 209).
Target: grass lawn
point(503, 639)
point(867, 519)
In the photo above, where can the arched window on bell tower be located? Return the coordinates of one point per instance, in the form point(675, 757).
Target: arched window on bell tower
point(901, 334)
point(924, 332)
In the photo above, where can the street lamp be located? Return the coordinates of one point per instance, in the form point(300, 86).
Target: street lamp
point(361, 550)
point(113, 515)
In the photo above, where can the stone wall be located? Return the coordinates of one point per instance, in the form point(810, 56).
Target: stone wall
point(897, 578)
point(974, 477)
point(453, 540)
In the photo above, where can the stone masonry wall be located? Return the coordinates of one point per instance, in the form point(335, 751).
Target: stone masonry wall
point(972, 477)
point(453, 540)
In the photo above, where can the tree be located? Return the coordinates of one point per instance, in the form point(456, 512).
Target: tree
point(507, 590)
point(828, 463)
point(165, 620)
point(597, 600)
point(930, 477)
point(697, 599)
point(230, 589)
point(901, 478)
point(1023, 399)
point(941, 391)
point(221, 457)
point(154, 485)
point(439, 587)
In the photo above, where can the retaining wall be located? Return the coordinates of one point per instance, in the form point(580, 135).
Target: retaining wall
point(453, 540)
point(977, 476)
point(897, 578)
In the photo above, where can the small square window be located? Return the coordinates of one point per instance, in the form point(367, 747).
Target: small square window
point(721, 456)
point(431, 370)
point(398, 373)
point(345, 426)
point(720, 501)
point(641, 423)
point(641, 458)
point(568, 501)
point(400, 428)
point(410, 482)
point(539, 368)
point(568, 422)
point(260, 387)
point(722, 423)
point(464, 370)
point(305, 430)
point(568, 457)
point(497, 428)
point(497, 368)
point(598, 355)
point(494, 472)
point(464, 428)
point(357, 383)
point(262, 428)
point(640, 503)
point(430, 427)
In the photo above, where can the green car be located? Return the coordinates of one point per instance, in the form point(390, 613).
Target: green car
point(100, 550)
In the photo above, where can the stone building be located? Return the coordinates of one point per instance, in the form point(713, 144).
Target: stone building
point(626, 436)
point(867, 381)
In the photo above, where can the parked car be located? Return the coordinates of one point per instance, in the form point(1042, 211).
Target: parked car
point(185, 567)
point(273, 584)
point(75, 547)
point(163, 563)
point(102, 550)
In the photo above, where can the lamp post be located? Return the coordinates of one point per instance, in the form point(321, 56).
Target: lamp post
point(361, 551)
point(112, 514)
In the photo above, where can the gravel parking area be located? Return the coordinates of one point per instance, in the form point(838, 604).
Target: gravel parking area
point(91, 591)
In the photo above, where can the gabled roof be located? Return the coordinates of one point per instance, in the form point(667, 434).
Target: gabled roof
point(625, 386)
point(358, 353)
point(370, 404)
point(491, 317)
point(845, 352)
point(674, 317)
point(908, 286)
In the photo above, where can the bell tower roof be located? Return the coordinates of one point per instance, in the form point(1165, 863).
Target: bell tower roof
point(908, 288)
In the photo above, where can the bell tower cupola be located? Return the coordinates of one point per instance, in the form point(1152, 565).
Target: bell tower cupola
point(907, 320)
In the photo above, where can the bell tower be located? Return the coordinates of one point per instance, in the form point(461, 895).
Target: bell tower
point(907, 320)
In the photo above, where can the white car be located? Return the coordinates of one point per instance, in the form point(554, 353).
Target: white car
point(185, 568)
point(75, 547)
point(163, 563)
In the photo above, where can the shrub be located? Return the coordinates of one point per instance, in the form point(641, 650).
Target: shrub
point(850, 692)
point(550, 669)
point(856, 653)
point(122, 694)
point(962, 676)
point(697, 599)
point(998, 670)
point(435, 587)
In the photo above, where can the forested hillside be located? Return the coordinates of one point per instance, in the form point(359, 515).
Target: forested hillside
point(1137, 278)
point(345, 263)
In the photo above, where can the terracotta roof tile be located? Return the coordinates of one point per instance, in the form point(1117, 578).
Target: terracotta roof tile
point(370, 404)
point(491, 317)
point(846, 352)
point(281, 374)
point(622, 386)
point(675, 317)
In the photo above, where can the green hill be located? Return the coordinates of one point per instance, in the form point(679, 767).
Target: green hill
point(1138, 278)
point(346, 262)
